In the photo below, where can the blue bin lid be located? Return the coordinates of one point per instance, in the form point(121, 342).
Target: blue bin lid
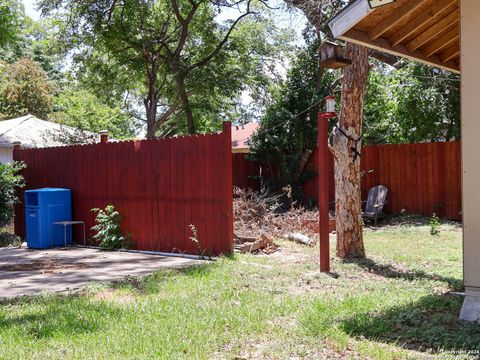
point(47, 190)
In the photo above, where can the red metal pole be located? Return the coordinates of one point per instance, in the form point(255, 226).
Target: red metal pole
point(323, 174)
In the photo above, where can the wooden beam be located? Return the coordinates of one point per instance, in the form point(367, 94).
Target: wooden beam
point(350, 16)
point(382, 44)
point(444, 41)
point(451, 53)
point(394, 19)
point(419, 21)
point(430, 33)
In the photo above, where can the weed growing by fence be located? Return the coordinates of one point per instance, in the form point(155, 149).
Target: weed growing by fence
point(434, 225)
point(108, 231)
point(201, 251)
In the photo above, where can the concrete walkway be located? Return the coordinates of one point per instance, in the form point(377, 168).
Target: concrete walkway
point(25, 272)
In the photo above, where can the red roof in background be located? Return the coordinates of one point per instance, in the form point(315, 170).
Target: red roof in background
point(241, 134)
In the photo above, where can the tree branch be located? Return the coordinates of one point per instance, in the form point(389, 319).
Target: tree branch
point(171, 110)
point(184, 23)
point(219, 47)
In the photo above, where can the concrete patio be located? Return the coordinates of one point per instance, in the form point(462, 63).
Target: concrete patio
point(26, 272)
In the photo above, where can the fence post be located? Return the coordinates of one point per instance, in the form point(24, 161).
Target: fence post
point(227, 133)
point(104, 136)
point(17, 145)
point(323, 175)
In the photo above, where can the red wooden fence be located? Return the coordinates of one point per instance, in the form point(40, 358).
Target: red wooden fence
point(245, 172)
point(421, 178)
point(160, 187)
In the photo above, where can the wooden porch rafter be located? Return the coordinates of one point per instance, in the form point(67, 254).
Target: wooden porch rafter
point(423, 30)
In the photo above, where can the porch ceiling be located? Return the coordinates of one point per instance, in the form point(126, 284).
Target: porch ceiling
point(423, 30)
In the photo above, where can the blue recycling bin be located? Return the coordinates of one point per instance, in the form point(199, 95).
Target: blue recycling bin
point(43, 207)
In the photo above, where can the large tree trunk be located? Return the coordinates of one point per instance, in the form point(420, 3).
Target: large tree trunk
point(151, 103)
point(183, 95)
point(345, 139)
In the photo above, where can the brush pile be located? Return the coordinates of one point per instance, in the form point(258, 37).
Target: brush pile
point(261, 216)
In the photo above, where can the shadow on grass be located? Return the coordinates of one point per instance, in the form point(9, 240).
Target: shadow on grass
point(153, 283)
point(58, 315)
point(428, 324)
point(390, 271)
point(55, 316)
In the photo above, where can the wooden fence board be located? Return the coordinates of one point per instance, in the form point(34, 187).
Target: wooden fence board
point(160, 187)
point(421, 178)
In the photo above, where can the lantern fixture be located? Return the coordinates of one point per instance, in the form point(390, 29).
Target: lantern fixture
point(330, 104)
point(329, 108)
point(377, 3)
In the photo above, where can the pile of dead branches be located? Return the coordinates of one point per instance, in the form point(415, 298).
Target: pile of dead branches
point(257, 214)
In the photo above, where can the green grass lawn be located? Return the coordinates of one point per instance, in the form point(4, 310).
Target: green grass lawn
point(401, 302)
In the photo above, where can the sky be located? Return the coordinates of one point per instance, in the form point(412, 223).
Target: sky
point(30, 9)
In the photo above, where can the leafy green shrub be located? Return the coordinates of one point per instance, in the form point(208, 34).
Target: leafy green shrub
point(8, 238)
point(10, 180)
point(108, 231)
point(434, 225)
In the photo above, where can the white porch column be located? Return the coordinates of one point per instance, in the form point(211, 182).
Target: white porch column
point(470, 67)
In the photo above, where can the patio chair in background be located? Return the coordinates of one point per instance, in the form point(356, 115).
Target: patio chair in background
point(377, 198)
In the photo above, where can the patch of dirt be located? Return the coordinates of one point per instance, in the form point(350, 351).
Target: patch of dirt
point(411, 220)
point(288, 256)
point(114, 296)
point(300, 282)
point(275, 348)
point(45, 265)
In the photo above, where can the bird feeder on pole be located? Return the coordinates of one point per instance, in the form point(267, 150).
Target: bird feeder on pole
point(332, 56)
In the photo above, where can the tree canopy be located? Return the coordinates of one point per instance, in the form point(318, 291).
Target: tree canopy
point(83, 110)
point(180, 66)
point(407, 103)
point(415, 103)
point(288, 129)
point(173, 57)
point(10, 19)
point(24, 89)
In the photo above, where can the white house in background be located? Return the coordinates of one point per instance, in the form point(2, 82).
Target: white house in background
point(30, 131)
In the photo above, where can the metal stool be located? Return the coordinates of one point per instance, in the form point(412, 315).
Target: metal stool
point(69, 223)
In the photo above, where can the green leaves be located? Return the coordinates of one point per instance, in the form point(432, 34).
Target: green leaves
point(83, 110)
point(10, 14)
point(434, 224)
point(288, 129)
point(108, 231)
point(415, 103)
point(140, 51)
point(24, 89)
point(10, 180)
